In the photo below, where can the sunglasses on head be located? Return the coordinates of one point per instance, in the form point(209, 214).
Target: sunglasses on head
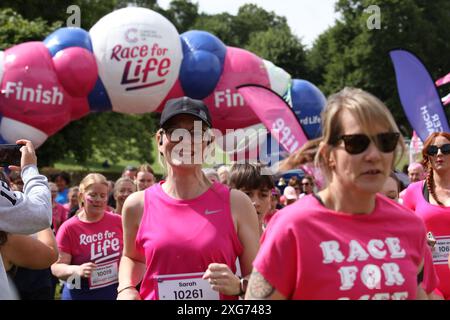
point(358, 143)
point(433, 150)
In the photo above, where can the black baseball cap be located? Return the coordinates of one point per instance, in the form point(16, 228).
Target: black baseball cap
point(185, 105)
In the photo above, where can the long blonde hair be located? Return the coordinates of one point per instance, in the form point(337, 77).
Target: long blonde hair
point(368, 110)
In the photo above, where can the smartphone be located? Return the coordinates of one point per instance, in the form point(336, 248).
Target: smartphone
point(10, 155)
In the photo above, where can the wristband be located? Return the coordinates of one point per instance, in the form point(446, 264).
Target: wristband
point(123, 289)
point(243, 286)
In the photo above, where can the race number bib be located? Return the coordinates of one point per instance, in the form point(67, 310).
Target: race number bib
point(441, 250)
point(187, 286)
point(105, 275)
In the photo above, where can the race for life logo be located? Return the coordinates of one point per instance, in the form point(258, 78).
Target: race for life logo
point(144, 65)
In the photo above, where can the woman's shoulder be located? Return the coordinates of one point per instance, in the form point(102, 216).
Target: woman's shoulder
point(415, 187)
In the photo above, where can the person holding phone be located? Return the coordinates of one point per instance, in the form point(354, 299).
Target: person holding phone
point(24, 212)
point(346, 241)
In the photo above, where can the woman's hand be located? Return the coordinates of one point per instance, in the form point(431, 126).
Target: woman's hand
point(222, 279)
point(86, 269)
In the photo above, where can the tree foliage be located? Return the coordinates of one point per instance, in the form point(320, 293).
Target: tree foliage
point(351, 54)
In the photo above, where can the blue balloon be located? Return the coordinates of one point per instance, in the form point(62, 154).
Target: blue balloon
point(202, 65)
point(68, 37)
point(308, 102)
point(98, 98)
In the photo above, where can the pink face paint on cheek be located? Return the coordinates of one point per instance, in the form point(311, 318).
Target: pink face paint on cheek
point(89, 200)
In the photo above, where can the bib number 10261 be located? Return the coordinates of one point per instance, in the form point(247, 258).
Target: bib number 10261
point(188, 294)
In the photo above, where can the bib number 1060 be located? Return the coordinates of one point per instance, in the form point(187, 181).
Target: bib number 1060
point(188, 294)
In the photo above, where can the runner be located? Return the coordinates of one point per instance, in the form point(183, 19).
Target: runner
point(90, 245)
point(28, 212)
point(256, 182)
point(186, 228)
point(122, 189)
point(391, 187)
point(59, 213)
point(430, 199)
point(145, 177)
point(62, 181)
point(346, 242)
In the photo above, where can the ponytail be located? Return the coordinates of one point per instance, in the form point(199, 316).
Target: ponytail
point(431, 186)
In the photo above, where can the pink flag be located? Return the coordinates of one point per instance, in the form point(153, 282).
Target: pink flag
point(443, 80)
point(276, 115)
point(446, 100)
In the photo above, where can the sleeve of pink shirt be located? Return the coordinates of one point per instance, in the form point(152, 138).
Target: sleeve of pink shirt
point(63, 240)
point(279, 252)
point(409, 197)
point(430, 278)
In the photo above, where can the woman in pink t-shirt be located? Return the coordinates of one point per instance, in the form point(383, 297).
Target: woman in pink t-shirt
point(182, 236)
point(346, 242)
point(90, 246)
point(430, 199)
point(59, 213)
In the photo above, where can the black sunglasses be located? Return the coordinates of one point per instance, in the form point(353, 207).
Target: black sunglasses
point(358, 143)
point(433, 150)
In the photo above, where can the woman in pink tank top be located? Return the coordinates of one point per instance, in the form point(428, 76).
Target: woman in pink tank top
point(430, 199)
point(183, 235)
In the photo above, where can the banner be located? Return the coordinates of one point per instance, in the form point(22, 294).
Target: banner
point(418, 95)
point(276, 115)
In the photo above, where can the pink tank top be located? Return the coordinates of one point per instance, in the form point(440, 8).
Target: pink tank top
point(180, 238)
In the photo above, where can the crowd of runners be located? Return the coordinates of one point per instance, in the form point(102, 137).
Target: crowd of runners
point(350, 228)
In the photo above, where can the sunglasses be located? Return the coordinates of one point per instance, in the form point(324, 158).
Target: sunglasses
point(433, 150)
point(358, 143)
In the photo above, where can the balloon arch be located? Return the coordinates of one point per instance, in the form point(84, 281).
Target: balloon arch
point(132, 61)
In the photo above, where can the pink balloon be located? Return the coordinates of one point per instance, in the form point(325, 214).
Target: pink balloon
point(32, 93)
point(228, 108)
point(77, 70)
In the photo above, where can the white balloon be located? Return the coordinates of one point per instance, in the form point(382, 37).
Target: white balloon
point(13, 130)
point(138, 53)
point(279, 79)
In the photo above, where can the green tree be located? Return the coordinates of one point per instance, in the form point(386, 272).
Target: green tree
point(15, 29)
point(351, 54)
point(56, 10)
point(182, 14)
point(280, 46)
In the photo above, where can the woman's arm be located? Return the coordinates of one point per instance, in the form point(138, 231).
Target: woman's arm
point(245, 219)
point(260, 289)
point(63, 270)
point(132, 264)
point(29, 252)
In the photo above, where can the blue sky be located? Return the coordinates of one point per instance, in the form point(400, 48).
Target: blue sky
point(307, 18)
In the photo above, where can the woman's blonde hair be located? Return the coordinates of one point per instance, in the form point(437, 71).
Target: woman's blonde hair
point(88, 181)
point(368, 110)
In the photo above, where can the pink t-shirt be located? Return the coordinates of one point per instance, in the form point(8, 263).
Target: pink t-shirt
point(437, 221)
point(99, 242)
point(311, 252)
point(180, 238)
point(59, 215)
